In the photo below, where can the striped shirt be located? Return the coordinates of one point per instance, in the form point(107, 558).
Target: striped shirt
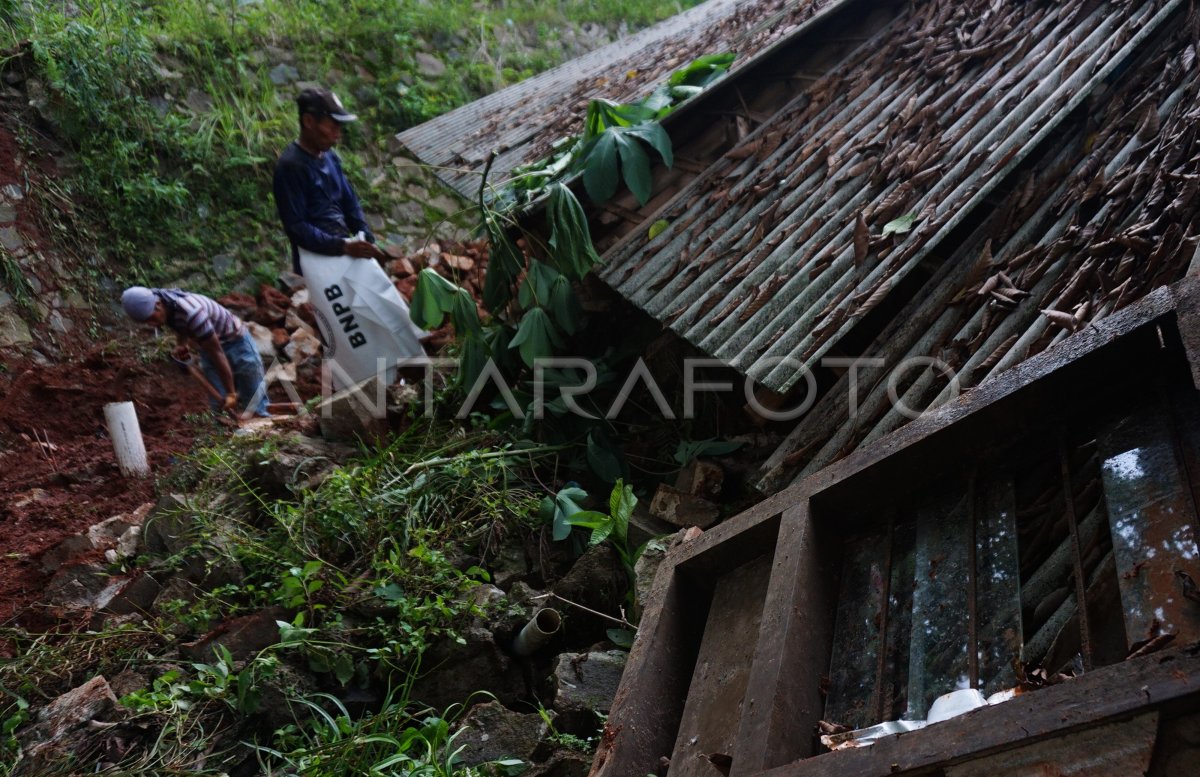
point(198, 316)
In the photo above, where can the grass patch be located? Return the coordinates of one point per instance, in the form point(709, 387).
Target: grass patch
point(176, 123)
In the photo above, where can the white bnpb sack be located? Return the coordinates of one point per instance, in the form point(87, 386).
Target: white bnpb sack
point(363, 319)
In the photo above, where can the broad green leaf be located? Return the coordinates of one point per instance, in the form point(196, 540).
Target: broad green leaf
point(564, 305)
point(901, 225)
point(536, 337)
point(684, 92)
point(536, 288)
point(691, 449)
point(635, 167)
point(472, 360)
point(604, 458)
point(566, 505)
point(659, 99)
point(569, 234)
point(464, 314)
point(622, 638)
point(620, 504)
point(657, 228)
point(600, 524)
point(657, 137)
point(703, 71)
point(343, 668)
point(432, 299)
point(505, 263)
point(600, 172)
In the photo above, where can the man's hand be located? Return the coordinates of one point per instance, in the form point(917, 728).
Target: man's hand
point(181, 353)
point(361, 249)
point(230, 402)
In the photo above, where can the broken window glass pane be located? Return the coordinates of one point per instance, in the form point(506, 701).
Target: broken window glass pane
point(852, 672)
point(1153, 527)
point(938, 660)
point(997, 588)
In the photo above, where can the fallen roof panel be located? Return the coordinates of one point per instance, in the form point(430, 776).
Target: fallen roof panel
point(775, 252)
point(1100, 216)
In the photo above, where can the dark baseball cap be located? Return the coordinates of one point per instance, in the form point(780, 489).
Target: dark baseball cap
point(323, 102)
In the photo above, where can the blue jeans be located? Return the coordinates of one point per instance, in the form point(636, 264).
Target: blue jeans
point(247, 374)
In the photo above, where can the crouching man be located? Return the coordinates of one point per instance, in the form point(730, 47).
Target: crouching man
point(227, 353)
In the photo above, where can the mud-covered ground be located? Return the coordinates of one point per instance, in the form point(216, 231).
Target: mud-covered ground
point(58, 473)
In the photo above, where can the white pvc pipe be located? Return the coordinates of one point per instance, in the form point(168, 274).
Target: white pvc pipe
point(126, 435)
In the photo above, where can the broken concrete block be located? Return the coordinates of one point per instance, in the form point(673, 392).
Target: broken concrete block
point(354, 413)
point(492, 732)
point(701, 478)
point(683, 509)
point(587, 682)
point(83, 587)
point(264, 339)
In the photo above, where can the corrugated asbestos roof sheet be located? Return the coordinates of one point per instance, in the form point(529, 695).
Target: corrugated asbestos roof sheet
point(521, 122)
point(1099, 214)
point(774, 253)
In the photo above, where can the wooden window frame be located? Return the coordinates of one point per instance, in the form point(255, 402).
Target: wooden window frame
point(783, 702)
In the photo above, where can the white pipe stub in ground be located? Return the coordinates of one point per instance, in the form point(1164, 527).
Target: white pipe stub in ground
point(126, 434)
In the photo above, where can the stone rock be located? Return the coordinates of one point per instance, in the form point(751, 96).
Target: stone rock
point(683, 509)
point(243, 637)
point(701, 478)
point(269, 295)
point(110, 532)
point(167, 526)
point(596, 580)
point(240, 304)
point(222, 263)
point(564, 763)
point(59, 323)
point(280, 372)
point(12, 192)
point(300, 297)
point(11, 239)
point(64, 551)
point(584, 684)
point(354, 413)
point(137, 595)
point(292, 283)
point(126, 682)
point(283, 74)
point(13, 330)
point(304, 346)
point(510, 563)
point(270, 316)
point(62, 733)
point(198, 102)
point(264, 339)
point(82, 587)
point(490, 732)
point(375, 222)
point(8, 212)
point(456, 671)
point(301, 462)
point(429, 65)
point(647, 566)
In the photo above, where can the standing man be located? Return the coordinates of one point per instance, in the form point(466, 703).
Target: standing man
point(227, 352)
point(318, 207)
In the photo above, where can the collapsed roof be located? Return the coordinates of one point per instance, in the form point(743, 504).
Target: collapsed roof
point(1041, 156)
